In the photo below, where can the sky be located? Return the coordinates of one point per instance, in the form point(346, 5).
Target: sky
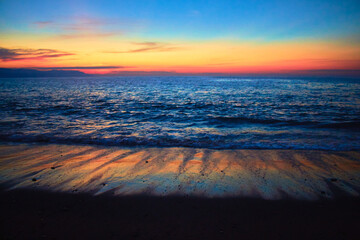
point(192, 37)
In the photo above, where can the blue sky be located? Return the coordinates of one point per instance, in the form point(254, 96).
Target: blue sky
point(266, 20)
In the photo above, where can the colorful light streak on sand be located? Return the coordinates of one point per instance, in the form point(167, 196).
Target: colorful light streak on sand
point(268, 174)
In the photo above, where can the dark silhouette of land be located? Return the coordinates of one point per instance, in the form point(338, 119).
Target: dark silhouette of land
point(25, 72)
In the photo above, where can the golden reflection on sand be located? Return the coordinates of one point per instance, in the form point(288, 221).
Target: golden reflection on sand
point(269, 174)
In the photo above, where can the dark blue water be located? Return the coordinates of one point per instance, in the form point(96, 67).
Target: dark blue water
point(209, 112)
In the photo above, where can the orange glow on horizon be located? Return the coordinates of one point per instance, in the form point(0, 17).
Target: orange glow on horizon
point(230, 57)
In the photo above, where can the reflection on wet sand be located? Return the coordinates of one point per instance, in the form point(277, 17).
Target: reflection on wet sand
point(269, 174)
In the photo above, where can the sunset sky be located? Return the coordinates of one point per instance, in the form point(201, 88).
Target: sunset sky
point(181, 36)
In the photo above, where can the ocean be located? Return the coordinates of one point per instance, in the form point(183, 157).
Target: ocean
point(192, 111)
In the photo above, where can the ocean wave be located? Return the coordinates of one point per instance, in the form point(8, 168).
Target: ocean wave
point(210, 142)
point(237, 120)
point(280, 122)
point(342, 125)
point(206, 112)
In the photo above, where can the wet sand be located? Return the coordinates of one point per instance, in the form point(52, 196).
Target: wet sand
point(266, 174)
point(91, 192)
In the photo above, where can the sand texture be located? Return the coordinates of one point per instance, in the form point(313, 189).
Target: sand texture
point(267, 174)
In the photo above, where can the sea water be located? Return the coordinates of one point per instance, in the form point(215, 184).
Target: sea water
point(183, 111)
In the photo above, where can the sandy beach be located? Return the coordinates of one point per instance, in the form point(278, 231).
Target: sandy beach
point(90, 192)
point(265, 174)
point(179, 120)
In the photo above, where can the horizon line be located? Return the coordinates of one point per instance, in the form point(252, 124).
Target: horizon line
point(77, 70)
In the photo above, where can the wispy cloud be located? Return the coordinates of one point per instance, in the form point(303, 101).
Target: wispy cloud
point(82, 67)
point(42, 24)
point(17, 54)
point(195, 13)
point(75, 24)
point(337, 63)
point(149, 47)
point(85, 27)
point(142, 73)
point(83, 35)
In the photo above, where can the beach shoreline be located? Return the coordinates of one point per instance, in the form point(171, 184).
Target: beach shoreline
point(57, 191)
point(266, 174)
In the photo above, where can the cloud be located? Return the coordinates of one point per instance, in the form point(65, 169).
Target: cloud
point(7, 55)
point(146, 43)
point(85, 27)
point(42, 24)
point(322, 62)
point(150, 47)
point(142, 73)
point(82, 67)
point(75, 24)
point(194, 13)
point(83, 35)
